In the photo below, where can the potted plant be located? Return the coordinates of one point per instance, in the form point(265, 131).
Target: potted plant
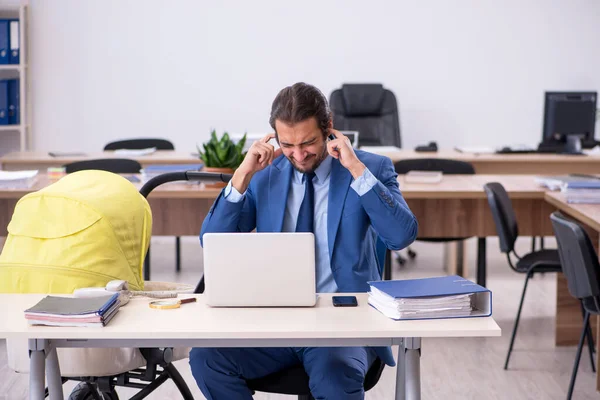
point(222, 155)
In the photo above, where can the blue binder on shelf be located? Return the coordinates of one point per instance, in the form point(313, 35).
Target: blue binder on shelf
point(14, 43)
point(3, 102)
point(430, 298)
point(14, 106)
point(4, 41)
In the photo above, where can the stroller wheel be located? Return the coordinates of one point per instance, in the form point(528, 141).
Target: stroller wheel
point(89, 391)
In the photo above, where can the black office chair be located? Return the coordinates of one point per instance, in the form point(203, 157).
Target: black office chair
point(582, 271)
point(540, 261)
point(369, 109)
point(115, 165)
point(145, 143)
point(294, 381)
point(138, 144)
point(448, 167)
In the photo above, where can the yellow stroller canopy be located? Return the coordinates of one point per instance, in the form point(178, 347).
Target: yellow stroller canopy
point(87, 229)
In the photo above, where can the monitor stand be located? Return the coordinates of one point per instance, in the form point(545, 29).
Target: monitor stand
point(573, 145)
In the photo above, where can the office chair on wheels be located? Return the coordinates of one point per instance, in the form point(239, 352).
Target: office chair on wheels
point(145, 143)
point(371, 110)
point(447, 167)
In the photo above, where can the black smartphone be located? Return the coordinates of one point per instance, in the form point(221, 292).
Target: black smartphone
point(344, 301)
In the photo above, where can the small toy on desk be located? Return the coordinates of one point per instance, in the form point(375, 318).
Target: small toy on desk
point(56, 172)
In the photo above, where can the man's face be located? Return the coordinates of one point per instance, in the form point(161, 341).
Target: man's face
point(302, 143)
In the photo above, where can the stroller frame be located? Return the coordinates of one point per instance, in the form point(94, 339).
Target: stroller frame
point(158, 367)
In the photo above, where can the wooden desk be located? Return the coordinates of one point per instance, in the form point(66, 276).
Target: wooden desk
point(533, 163)
point(197, 325)
point(457, 207)
point(24, 160)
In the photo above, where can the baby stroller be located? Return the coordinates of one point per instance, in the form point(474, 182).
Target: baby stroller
point(85, 230)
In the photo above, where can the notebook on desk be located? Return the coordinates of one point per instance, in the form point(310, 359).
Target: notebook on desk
point(72, 311)
point(430, 298)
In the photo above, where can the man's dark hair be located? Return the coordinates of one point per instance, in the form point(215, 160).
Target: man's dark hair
point(299, 102)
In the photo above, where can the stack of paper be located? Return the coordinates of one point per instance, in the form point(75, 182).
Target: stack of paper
point(442, 297)
point(17, 179)
point(560, 182)
point(380, 149)
point(423, 176)
point(583, 192)
point(151, 171)
point(73, 311)
point(135, 152)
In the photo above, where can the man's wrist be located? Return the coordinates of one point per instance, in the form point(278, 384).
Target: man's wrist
point(357, 169)
point(241, 180)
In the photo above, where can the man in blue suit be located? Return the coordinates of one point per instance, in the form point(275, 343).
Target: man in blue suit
point(317, 183)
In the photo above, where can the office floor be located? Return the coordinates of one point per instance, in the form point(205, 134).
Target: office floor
point(465, 368)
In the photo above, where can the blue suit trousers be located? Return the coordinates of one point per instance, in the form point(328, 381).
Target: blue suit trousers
point(334, 372)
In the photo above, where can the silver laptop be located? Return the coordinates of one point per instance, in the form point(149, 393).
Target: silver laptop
point(259, 269)
point(353, 136)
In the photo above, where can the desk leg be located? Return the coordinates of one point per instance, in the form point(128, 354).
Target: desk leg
point(55, 389)
point(43, 358)
point(36, 371)
point(481, 262)
point(408, 372)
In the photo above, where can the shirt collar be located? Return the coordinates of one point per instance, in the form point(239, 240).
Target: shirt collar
point(322, 171)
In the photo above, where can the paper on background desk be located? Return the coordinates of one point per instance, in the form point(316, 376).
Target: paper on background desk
point(17, 179)
point(136, 152)
point(423, 176)
point(475, 149)
point(380, 149)
point(16, 175)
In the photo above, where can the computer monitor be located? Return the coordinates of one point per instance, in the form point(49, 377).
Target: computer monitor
point(569, 120)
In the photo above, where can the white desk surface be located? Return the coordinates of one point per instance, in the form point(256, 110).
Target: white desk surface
point(198, 321)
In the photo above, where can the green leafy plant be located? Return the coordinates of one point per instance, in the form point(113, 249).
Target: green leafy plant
point(222, 153)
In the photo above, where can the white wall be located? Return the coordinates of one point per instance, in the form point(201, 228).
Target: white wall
point(469, 72)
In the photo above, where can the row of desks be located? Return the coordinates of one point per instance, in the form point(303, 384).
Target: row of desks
point(456, 207)
point(483, 163)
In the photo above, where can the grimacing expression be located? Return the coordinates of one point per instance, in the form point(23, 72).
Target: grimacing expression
point(302, 143)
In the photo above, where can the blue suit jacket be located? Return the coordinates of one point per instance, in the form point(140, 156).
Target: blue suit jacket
point(353, 222)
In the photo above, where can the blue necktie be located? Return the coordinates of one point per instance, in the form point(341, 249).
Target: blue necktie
point(306, 213)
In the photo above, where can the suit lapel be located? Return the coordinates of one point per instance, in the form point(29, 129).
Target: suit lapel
point(280, 178)
point(338, 189)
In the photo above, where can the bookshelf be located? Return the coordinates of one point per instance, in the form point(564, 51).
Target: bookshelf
point(16, 137)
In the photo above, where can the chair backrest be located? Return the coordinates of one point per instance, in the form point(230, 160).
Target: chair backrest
point(369, 109)
point(138, 144)
point(503, 214)
point(448, 167)
point(115, 165)
point(578, 258)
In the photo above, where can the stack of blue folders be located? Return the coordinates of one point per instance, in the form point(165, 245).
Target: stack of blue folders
point(74, 311)
point(584, 191)
point(430, 298)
